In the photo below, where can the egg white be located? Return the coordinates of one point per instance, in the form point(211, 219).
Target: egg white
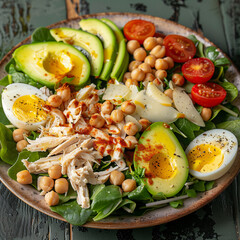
point(10, 94)
point(229, 148)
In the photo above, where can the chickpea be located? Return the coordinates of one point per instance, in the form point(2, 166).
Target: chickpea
point(145, 123)
point(178, 79)
point(160, 40)
point(161, 74)
point(161, 64)
point(45, 183)
point(55, 171)
point(133, 65)
point(132, 45)
point(116, 177)
point(138, 74)
point(131, 142)
point(130, 128)
point(169, 93)
point(97, 120)
point(54, 100)
point(170, 62)
point(52, 198)
point(139, 54)
point(21, 145)
point(158, 51)
point(130, 82)
point(150, 59)
point(61, 185)
point(19, 134)
point(24, 177)
point(128, 107)
point(154, 71)
point(149, 77)
point(145, 67)
point(206, 114)
point(129, 185)
point(149, 43)
point(107, 107)
point(126, 76)
point(117, 115)
point(157, 82)
point(64, 92)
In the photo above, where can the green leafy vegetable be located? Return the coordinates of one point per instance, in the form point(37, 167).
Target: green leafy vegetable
point(211, 53)
point(8, 152)
point(231, 89)
point(232, 126)
point(140, 194)
point(73, 213)
point(176, 204)
point(221, 62)
point(127, 205)
point(42, 34)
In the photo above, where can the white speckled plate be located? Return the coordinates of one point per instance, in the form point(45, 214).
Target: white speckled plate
point(31, 196)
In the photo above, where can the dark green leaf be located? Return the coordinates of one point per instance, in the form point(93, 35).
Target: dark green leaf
point(5, 81)
point(191, 192)
point(42, 34)
point(128, 205)
point(221, 62)
point(11, 62)
point(73, 213)
point(232, 126)
point(95, 189)
point(231, 89)
point(176, 204)
point(71, 194)
point(194, 39)
point(105, 197)
point(209, 185)
point(19, 166)
point(211, 53)
point(200, 50)
point(3, 119)
point(140, 194)
point(199, 186)
point(8, 152)
point(176, 130)
point(215, 111)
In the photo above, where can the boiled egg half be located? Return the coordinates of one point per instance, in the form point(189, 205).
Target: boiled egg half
point(211, 154)
point(23, 106)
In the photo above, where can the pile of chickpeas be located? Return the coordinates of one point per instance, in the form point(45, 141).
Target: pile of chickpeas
point(46, 184)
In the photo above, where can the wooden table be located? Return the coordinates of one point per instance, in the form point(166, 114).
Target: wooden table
point(219, 21)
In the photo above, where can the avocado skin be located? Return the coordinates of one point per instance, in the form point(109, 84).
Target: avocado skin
point(32, 65)
point(159, 139)
point(99, 28)
point(85, 40)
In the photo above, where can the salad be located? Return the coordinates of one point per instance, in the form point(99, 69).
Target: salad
point(107, 121)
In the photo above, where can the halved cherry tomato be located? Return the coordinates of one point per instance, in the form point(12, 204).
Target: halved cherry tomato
point(179, 48)
point(208, 94)
point(198, 70)
point(139, 30)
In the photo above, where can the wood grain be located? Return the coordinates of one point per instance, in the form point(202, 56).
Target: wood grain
point(73, 8)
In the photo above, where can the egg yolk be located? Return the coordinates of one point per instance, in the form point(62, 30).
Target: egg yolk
point(29, 109)
point(205, 158)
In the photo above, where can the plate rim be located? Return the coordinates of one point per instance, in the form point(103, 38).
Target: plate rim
point(204, 198)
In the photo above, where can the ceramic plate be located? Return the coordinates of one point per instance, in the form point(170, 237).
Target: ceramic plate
point(31, 196)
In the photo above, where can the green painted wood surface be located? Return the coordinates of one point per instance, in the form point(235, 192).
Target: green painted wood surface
point(219, 21)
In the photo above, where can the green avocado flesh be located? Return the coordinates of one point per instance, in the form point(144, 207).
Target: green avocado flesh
point(87, 41)
point(122, 49)
point(165, 162)
point(49, 62)
point(108, 38)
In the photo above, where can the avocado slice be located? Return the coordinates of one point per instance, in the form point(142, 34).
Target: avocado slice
point(49, 62)
point(99, 28)
point(162, 156)
point(87, 41)
point(122, 49)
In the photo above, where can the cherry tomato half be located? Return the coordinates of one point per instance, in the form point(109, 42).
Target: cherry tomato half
point(179, 48)
point(208, 94)
point(139, 30)
point(198, 70)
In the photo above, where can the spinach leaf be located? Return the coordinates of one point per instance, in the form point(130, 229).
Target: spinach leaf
point(19, 166)
point(232, 126)
point(140, 194)
point(200, 50)
point(5, 81)
point(107, 210)
point(95, 189)
point(199, 186)
point(215, 111)
point(127, 205)
point(176, 204)
point(73, 213)
point(231, 89)
point(3, 119)
point(105, 197)
point(8, 152)
point(11, 62)
point(191, 192)
point(194, 39)
point(211, 53)
point(71, 194)
point(221, 62)
point(42, 34)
